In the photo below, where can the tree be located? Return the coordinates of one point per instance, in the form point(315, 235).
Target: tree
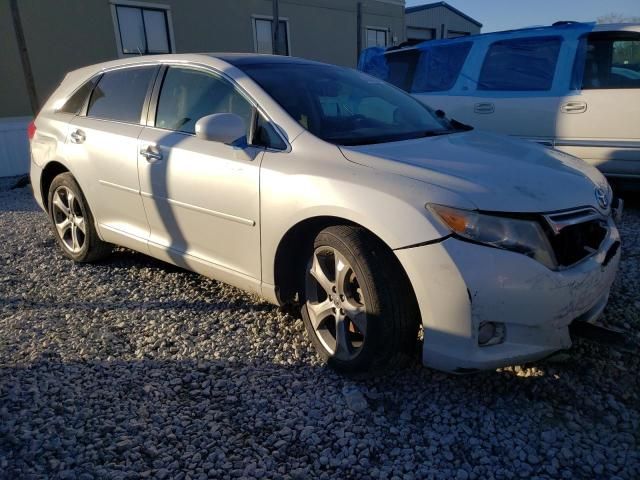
point(617, 18)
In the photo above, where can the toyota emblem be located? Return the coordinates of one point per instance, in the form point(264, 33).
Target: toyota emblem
point(601, 196)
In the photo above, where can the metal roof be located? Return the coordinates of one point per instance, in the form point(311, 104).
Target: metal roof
point(429, 6)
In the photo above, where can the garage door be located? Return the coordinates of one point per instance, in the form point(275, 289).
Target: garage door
point(417, 33)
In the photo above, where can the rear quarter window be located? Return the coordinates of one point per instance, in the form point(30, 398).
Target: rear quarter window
point(76, 102)
point(401, 67)
point(429, 69)
point(520, 64)
point(439, 67)
point(120, 94)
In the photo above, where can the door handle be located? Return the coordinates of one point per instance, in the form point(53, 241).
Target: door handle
point(151, 153)
point(484, 108)
point(574, 107)
point(78, 136)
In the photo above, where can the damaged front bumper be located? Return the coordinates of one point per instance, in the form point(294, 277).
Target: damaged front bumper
point(463, 287)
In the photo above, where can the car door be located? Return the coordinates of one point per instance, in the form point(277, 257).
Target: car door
point(508, 84)
point(102, 147)
point(201, 197)
point(515, 89)
point(600, 120)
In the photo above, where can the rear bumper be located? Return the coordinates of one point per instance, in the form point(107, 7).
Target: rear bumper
point(460, 285)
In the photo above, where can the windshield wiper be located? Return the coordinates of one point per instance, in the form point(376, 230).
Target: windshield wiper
point(350, 142)
point(353, 142)
point(457, 127)
point(463, 127)
point(436, 133)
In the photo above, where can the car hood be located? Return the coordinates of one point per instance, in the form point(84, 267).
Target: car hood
point(494, 172)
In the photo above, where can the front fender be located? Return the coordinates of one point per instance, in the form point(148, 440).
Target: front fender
point(310, 182)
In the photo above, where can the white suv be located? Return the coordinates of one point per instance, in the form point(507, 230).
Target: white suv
point(573, 86)
point(300, 181)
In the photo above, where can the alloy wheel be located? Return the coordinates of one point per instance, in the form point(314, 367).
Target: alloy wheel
point(68, 219)
point(335, 303)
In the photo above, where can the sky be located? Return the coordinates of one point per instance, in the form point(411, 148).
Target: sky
point(507, 14)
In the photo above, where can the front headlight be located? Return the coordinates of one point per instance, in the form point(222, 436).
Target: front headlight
point(517, 235)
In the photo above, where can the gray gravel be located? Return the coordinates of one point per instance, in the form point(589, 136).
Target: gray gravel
point(135, 369)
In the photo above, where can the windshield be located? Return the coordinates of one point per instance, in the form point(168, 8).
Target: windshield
point(344, 106)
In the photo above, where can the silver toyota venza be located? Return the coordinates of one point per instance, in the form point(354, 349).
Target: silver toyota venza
point(310, 183)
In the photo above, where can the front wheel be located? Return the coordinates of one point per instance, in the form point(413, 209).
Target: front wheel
point(359, 309)
point(73, 223)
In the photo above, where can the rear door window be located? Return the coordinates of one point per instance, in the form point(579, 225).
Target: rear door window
point(120, 94)
point(187, 95)
point(520, 64)
point(609, 60)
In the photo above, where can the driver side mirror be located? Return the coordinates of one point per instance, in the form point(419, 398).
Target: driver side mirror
point(225, 128)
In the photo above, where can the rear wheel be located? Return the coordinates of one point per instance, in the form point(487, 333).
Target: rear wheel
point(359, 310)
point(73, 223)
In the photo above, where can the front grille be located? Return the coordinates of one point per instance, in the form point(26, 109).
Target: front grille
point(576, 234)
point(575, 242)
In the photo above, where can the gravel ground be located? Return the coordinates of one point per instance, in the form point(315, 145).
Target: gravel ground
point(135, 369)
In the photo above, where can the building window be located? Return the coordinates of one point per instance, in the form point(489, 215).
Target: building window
point(376, 37)
point(142, 31)
point(263, 36)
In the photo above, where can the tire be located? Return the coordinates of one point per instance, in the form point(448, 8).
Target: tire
point(365, 319)
point(72, 222)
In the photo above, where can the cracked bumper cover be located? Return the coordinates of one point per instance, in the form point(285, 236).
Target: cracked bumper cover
point(458, 285)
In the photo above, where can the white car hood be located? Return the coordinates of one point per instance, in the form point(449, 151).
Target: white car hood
point(495, 172)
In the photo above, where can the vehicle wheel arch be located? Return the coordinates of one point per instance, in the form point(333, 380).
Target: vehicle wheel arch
point(51, 170)
point(294, 244)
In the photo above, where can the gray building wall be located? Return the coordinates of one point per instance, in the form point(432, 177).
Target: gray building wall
point(64, 35)
point(14, 100)
point(441, 20)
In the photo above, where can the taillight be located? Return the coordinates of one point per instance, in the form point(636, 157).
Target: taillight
point(31, 130)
